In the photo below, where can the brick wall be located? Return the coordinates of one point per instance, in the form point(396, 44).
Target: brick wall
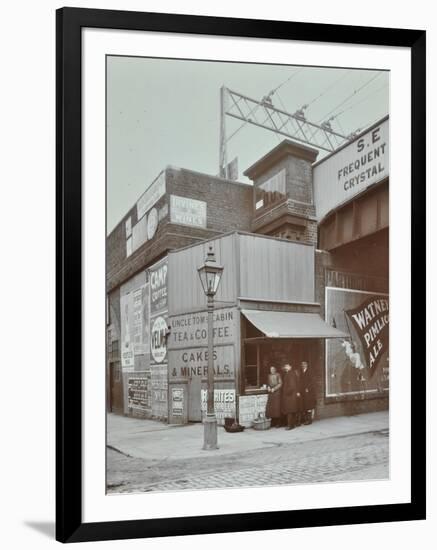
point(298, 178)
point(229, 207)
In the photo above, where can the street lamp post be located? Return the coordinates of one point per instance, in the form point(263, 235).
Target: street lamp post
point(210, 274)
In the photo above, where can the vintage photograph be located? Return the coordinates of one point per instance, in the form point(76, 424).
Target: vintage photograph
point(247, 274)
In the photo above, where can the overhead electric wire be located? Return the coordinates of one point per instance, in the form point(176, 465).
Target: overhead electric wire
point(285, 81)
point(326, 90)
point(361, 101)
point(348, 98)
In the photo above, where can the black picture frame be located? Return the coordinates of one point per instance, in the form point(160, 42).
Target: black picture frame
point(69, 24)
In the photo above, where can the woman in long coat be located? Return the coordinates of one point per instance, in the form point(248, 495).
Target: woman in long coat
point(291, 403)
point(273, 408)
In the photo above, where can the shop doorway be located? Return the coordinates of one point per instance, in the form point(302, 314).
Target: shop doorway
point(262, 353)
point(194, 398)
point(116, 388)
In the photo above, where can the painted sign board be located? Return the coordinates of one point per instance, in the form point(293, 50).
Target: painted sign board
point(159, 393)
point(138, 392)
point(185, 211)
point(177, 401)
point(158, 287)
point(139, 233)
point(352, 169)
point(224, 404)
point(250, 407)
point(193, 362)
point(347, 372)
point(151, 196)
point(191, 330)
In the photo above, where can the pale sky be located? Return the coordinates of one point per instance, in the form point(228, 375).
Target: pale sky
point(164, 112)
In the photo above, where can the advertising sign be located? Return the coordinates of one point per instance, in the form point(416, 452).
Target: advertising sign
point(139, 233)
point(127, 348)
point(137, 321)
point(191, 330)
point(158, 340)
point(349, 171)
point(250, 407)
point(184, 211)
point(159, 383)
point(224, 404)
point(349, 368)
point(193, 362)
point(158, 287)
point(370, 320)
point(177, 402)
point(151, 196)
point(134, 312)
point(137, 394)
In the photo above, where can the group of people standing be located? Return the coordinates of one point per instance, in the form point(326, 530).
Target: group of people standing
point(291, 399)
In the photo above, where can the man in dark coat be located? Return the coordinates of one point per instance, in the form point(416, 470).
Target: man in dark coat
point(308, 393)
point(290, 396)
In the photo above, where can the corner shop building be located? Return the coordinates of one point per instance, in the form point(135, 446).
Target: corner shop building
point(280, 297)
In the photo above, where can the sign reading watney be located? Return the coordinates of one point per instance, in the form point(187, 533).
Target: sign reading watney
point(370, 320)
point(349, 171)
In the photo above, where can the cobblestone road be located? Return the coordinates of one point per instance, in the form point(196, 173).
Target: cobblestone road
point(357, 457)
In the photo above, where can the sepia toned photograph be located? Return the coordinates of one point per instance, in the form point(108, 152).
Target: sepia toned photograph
point(247, 274)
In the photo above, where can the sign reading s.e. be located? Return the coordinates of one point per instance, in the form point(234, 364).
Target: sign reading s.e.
point(350, 170)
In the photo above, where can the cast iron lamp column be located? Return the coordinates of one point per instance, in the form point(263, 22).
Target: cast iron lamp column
point(210, 274)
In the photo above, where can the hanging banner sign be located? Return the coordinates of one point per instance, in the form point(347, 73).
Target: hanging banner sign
point(370, 321)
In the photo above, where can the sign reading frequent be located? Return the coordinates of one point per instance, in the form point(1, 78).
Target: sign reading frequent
point(352, 169)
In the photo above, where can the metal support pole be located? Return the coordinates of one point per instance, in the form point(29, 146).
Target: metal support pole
point(210, 421)
point(223, 161)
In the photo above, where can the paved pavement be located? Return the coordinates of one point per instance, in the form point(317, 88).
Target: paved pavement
point(150, 439)
point(146, 456)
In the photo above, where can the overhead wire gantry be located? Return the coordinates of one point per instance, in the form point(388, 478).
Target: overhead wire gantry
point(264, 114)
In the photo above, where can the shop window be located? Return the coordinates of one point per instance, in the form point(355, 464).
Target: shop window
point(251, 371)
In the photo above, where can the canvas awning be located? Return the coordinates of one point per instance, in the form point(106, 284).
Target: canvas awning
point(286, 324)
